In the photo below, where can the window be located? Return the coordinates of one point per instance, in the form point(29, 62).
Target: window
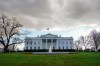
point(27, 48)
point(70, 42)
point(38, 47)
point(53, 47)
point(63, 47)
point(66, 47)
point(34, 47)
point(59, 47)
point(27, 43)
point(30, 48)
point(35, 43)
point(31, 42)
point(70, 47)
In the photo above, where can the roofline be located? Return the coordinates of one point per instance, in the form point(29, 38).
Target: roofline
point(70, 38)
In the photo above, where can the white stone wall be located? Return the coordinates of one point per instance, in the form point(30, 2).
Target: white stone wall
point(60, 44)
point(65, 44)
point(33, 44)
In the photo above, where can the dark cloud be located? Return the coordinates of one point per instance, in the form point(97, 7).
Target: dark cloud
point(78, 8)
point(83, 9)
point(40, 14)
point(34, 8)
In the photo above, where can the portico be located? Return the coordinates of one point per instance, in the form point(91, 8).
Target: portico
point(49, 44)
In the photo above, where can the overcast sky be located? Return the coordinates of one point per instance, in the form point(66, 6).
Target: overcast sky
point(65, 17)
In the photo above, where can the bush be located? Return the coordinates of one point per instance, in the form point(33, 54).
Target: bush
point(43, 50)
point(54, 50)
point(65, 50)
point(98, 50)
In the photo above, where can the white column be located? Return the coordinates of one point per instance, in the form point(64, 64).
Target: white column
point(57, 44)
point(50, 47)
point(46, 43)
point(37, 44)
point(41, 44)
point(51, 43)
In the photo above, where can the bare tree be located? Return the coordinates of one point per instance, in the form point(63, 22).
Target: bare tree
point(82, 42)
point(85, 42)
point(15, 41)
point(19, 39)
point(78, 45)
point(8, 28)
point(95, 37)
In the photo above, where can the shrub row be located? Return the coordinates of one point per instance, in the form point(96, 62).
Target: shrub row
point(44, 50)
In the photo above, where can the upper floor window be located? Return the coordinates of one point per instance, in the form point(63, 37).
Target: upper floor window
point(27, 43)
point(34, 42)
point(31, 42)
point(70, 42)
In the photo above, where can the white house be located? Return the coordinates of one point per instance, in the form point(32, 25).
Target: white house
point(48, 41)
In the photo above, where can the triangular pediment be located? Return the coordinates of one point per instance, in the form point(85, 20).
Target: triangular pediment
point(49, 35)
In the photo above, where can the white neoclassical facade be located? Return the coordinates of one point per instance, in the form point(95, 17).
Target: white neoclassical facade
point(49, 42)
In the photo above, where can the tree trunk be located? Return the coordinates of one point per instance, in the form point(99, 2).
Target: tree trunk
point(6, 49)
point(77, 50)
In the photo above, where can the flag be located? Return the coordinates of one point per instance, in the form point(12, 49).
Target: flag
point(47, 29)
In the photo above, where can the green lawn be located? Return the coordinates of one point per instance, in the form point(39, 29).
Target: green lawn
point(29, 59)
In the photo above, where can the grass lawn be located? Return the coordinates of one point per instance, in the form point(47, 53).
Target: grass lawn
point(29, 59)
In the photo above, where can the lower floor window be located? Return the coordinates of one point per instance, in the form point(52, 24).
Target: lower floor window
point(66, 47)
point(63, 47)
point(34, 47)
point(53, 47)
point(59, 47)
point(30, 47)
point(26, 47)
point(38, 47)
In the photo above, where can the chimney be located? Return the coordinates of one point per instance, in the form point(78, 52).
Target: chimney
point(37, 35)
